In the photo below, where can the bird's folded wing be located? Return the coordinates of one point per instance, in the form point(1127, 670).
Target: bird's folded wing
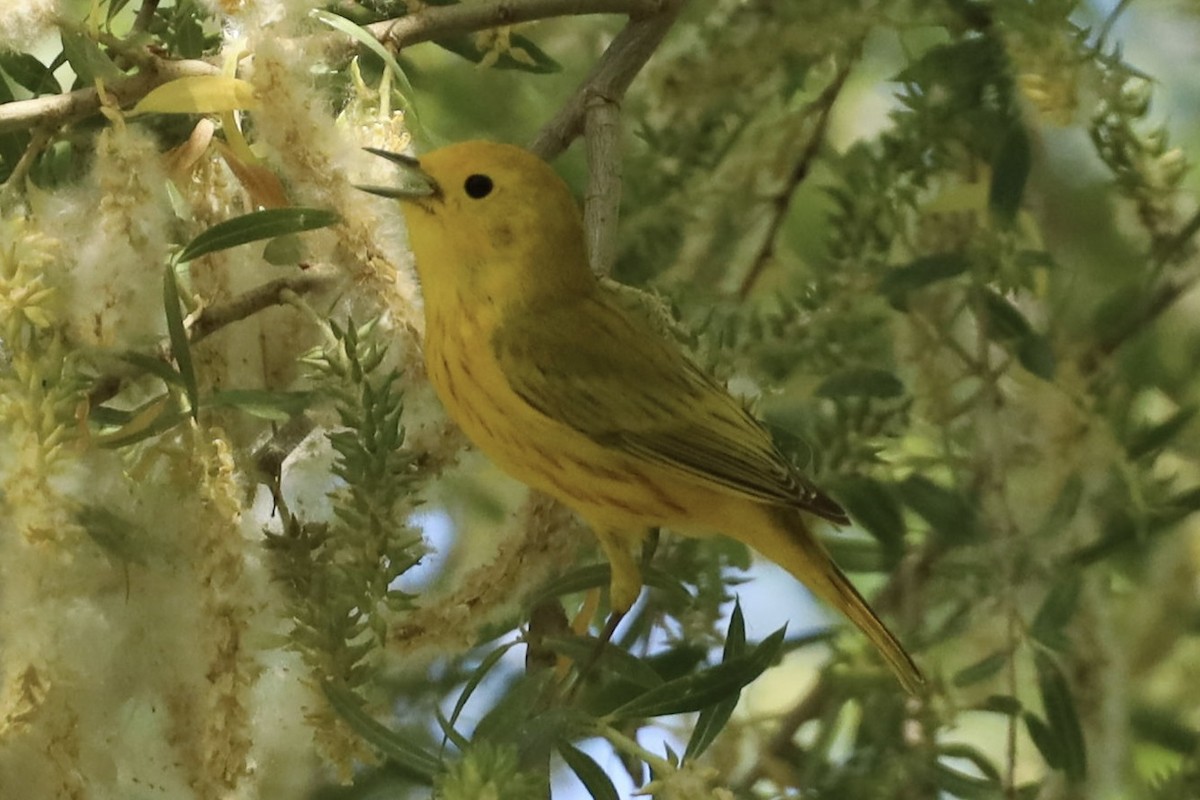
point(608, 374)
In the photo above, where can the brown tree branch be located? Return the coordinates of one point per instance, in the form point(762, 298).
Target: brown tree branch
point(434, 21)
point(52, 111)
point(213, 318)
point(782, 200)
point(602, 204)
point(609, 78)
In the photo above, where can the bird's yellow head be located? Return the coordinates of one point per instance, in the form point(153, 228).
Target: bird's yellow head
point(496, 226)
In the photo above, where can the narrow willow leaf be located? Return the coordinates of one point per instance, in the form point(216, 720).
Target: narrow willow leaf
point(588, 771)
point(449, 732)
point(1062, 718)
point(952, 518)
point(87, 59)
point(704, 688)
point(969, 753)
point(256, 226)
point(921, 272)
point(861, 382)
point(611, 658)
point(283, 251)
point(1043, 739)
point(363, 37)
point(1056, 611)
point(399, 747)
point(968, 787)
point(477, 676)
point(30, 73)
point(1036, 355)
point(1165, 727)
point(180, 346)
point(198, 94)
point(713, 719)
point(1156, 437)
point(983, 669)
point(153, 366)
point(577, 580)
point(1010, 171)
point(874, 507)
point(1003, 320)
point(262, 403)
point(115, 534)
point(156, 416)
point(1004, 704)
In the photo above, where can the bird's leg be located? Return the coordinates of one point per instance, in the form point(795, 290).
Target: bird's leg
point(624, 586)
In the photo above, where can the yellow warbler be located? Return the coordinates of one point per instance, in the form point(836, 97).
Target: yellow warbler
point(549, 375)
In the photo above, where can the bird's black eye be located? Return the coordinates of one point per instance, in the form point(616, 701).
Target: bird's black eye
point(478, 186)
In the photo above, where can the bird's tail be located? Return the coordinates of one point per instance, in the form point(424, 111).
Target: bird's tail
point(789, 543)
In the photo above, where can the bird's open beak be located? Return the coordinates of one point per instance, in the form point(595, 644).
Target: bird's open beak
point(421, 185)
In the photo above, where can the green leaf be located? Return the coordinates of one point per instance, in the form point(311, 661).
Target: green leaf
point(606, 656)
point(258, 225)
point(707, 687)
point(1062, 718)
point(967, 787)
point(189, 37)
point(1165, 727)
point(12, 144)
point(400, 748)
point(861, 382)
point(1156, 437)
point(1036, 355)
point(594, 575)
point(1043, 740)
point(1056, 611)
point(29, 72)
point(1004, 704)
point(1010, 171)
point(115, 534)
point(983, 669)
point(180, 346)
point(1003, 321)
point(593, 778)
point(921, 272)
point(874, 506)
point(283, 251)
point(363, 37)
point(153, 366)
point(952, 518)
point(713, 719)
point(262, 403)
point(477, 676)
point(969, 753)
point(87, 59)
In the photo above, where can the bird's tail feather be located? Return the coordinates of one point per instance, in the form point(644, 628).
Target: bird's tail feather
point(790, 544)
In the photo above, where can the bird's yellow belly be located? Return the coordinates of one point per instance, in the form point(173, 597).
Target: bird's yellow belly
point(603, 485)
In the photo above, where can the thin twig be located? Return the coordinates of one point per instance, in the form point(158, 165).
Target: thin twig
point(602, 204)
point(609, 78)
point(145, 15)
point(782, 200)
point(36, 143)
point(435, 21)
point(52, 111)
point(1161, 298)
point(213, 318)
point(429, 23)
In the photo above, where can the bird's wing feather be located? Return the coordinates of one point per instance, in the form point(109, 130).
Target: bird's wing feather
point(611, 376)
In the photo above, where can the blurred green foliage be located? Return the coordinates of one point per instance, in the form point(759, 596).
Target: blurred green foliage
point(966, 314)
